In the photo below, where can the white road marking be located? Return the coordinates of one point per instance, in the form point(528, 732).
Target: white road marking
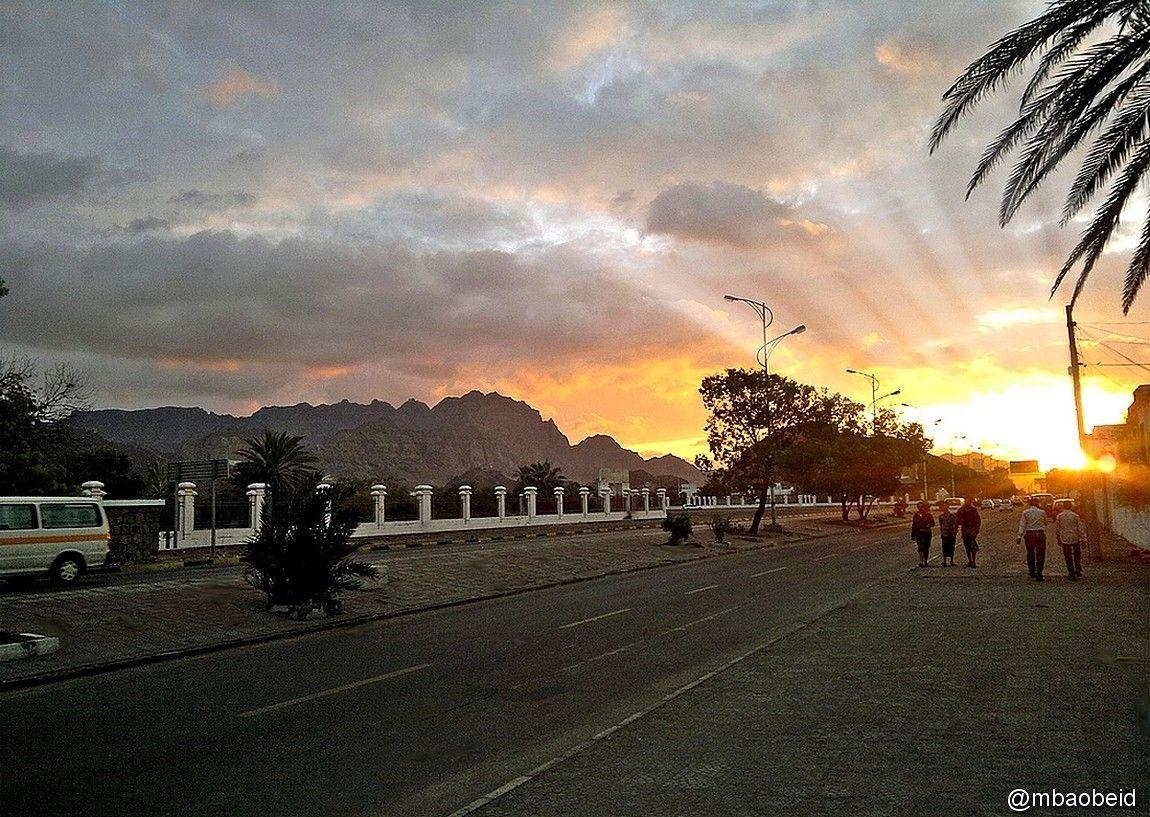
point(824, 558)
point(765, 572)
point(860, 547)
point(595, 618)
point(682, 627)
point(335, 690)
point(700, 589)
point(598, 657)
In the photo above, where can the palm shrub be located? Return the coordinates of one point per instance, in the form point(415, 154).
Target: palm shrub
point(679, 527)
point(302, 555)
point(720, 526)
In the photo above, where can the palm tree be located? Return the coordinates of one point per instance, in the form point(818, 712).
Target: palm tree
point(277, 458)
point(542, 475)
point(1091, 82)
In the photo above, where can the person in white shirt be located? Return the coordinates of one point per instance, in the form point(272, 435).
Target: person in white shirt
point(1032, 530)
point(1071, 534)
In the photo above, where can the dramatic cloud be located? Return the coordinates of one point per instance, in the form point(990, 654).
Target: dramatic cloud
point(403, 199)
point(728, 214)
point(26, 178)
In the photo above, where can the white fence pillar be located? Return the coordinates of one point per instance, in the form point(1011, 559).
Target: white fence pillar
point(584, 494)
point(465, 502)
point(323, 487)
point(606, 500)
point(501, 501)
point(185, 509)
point(559, 502)
point(379, 494)
point(627, 499)
point(257, 493)
point(646, 500)
point(662, 494)
point(95, 489)
point(422, 494)
point(531, 491)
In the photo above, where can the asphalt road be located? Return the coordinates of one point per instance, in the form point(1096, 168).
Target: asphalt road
point(418, 715)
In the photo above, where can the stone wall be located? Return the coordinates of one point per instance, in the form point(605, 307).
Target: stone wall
point(135, 532)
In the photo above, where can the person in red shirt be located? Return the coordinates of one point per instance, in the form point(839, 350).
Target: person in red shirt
point(970, 522)
point(920, 531)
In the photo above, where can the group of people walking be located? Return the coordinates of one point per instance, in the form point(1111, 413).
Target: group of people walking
point(1069, 533)
point(967, 521)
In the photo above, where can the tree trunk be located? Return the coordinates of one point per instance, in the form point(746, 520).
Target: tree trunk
point(845, 500)
point(759, 511)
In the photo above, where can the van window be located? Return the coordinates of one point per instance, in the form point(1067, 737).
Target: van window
point(70, 515)
point(15, 516)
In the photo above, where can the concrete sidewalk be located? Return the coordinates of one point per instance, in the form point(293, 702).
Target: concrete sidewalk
point(939, 691)
point(183, 612)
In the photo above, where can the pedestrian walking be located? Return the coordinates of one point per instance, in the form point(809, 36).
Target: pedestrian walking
point(1070, 533)
point(1032, 531)
point(947, 533)
point(970, 523)
point(920, 531)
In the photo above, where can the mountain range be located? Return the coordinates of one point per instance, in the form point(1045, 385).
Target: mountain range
point(414, 443)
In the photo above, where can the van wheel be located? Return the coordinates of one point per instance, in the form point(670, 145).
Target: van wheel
point(67, 570)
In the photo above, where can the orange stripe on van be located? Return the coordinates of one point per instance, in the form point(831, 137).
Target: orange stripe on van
point(53, 540)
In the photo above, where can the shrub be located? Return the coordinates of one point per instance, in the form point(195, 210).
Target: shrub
point(301, 556)
point(679, 526)
point(721, 526)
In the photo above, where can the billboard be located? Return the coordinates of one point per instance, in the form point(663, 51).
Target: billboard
point(1021, 467)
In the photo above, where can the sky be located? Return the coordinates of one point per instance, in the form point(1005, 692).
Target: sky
point(239, 204)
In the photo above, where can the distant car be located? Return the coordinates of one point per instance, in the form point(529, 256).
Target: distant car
point(954, 503)
point(1060, 505)
point(987, 504)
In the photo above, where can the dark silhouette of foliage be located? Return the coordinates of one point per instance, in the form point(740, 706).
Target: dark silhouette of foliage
point(278, 459)
point(302, 555)
point(742, 459)
point(679, 527)
point(1091, 81)
point(542, 475)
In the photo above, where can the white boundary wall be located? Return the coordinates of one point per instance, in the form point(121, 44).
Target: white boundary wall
point(238, 536)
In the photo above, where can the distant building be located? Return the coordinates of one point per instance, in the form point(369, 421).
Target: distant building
point(1026, 476)
point(1127, 442)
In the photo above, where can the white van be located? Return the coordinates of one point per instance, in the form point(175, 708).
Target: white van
point(58, 536)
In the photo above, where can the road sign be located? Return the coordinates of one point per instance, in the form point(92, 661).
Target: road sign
point(199, 470)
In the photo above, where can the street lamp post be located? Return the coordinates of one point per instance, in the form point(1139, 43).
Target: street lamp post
point(874, 398)
point(768, 317)
point(924, 453)
point(953, 492)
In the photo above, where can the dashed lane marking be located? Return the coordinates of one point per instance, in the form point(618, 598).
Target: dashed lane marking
point(824, 558)
point(598, 657)
point(595, 618)
point(765, 572)
point(700, 589)
point(333, 691)
point(689, 624)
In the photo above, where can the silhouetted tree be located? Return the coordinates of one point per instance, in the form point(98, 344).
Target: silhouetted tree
point(277, 458)
point(302, 555)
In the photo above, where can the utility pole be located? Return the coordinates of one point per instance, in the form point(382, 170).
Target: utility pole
point(1075, 375)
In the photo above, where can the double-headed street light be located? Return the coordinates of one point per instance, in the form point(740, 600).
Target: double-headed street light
point(874, 398)
point(764, 354)
point(924, 453)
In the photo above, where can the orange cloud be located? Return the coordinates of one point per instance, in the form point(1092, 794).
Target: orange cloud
point(203, 365)
point(904, 58)
point(598, 30)
point(234, 83)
